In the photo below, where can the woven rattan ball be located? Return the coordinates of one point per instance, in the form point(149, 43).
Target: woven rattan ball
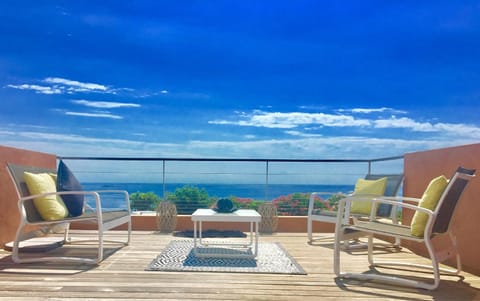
point(269, 221)
point(166, 217)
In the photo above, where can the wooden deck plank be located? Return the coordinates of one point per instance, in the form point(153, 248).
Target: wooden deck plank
point(122, 276)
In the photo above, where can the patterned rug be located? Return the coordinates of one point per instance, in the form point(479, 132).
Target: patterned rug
point(178, 256)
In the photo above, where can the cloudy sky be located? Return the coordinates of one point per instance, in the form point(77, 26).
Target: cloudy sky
point(239, 79)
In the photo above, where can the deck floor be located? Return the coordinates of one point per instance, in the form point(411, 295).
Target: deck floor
point(121, 276)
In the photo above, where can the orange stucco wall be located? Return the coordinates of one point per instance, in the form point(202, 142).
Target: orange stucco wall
point(420, 168)
point(148, 222)
point(9, 216)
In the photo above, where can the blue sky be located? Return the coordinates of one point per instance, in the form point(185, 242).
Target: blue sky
point(242, 79)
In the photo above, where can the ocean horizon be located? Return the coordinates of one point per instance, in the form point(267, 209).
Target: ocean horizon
point(252, 191)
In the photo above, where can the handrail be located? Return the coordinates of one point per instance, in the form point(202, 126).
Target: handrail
point(229, 159)
point(262, 160)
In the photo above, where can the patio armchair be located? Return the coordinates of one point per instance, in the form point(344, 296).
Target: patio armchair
point(393, 184)
point(45, 209)
point(432, 216)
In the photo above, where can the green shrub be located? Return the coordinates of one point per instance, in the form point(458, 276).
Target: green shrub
point(189, 198)
point(245, 203)
point(144, 201)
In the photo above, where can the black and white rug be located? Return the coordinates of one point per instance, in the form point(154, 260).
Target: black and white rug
point(178, 256)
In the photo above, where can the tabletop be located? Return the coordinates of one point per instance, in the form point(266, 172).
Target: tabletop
point(246, 215)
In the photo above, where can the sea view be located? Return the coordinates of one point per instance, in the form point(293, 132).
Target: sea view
point(252, 191)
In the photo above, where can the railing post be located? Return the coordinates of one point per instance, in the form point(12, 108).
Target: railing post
point(266, 181)
point(163, 180)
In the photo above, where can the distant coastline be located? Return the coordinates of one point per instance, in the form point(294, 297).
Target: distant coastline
point(253, 191)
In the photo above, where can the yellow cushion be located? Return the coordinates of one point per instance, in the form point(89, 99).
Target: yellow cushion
point(429, 200)
point(363, 186)
point(49, 207)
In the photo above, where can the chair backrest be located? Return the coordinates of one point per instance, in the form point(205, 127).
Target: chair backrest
point(394, 181)
point(448, 201)
point(16, 173)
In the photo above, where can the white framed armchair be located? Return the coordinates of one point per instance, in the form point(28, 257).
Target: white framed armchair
point(433, 214)
point(327, 214)
point(47, 210)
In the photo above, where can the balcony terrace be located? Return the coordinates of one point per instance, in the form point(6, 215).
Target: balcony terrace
point(122, 276)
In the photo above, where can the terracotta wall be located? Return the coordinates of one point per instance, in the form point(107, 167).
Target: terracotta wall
point(9, 216)
point(148, 222)
point(421, 167)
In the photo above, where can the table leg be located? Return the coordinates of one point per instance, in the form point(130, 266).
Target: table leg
point(256, 239)
point(195, 236)
point(251, 233)
point(200, 232)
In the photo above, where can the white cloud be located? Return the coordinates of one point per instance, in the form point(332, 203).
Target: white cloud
point(445, 128)
point(314, 121)
point(80, 145)
point(459, 129)
point(341, 147)
point(57, 85)
point(404, 122)
point(293, 120)
point(105, 104)
point(74, 85)
point(373, 110)
point(301, 134)
point(37, 89)
point(345, 147)
point(94, 115)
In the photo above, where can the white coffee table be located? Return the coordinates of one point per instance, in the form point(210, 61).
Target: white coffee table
point(250, 250)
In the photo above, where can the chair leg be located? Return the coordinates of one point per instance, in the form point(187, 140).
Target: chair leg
point(336, 253)
point(398, 243)
point(22, 236)
point(16, 244)
point(309, 229)
point(389, 279)
point(453, 239)
point(370, 249)
point(129, 234)
point(66, 235)
point(100, 244)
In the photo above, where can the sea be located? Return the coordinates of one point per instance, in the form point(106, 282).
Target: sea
point(257, 192)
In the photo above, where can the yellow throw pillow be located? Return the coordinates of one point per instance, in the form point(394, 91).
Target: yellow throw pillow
point(429, 200)
point(49, 207)
point(363, 186)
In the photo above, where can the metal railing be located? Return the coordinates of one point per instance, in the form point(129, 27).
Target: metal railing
point(194, 171)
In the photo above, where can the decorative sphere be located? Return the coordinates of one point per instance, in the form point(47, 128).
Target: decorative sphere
point(225, 205)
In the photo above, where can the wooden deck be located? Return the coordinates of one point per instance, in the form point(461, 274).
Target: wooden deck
point(121, 276)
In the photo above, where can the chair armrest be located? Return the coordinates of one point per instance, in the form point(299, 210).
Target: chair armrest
point(395, 202)
point(34, 196)
point(22, 206)
point(126, 197)
point(94, 194)
point(400, 198)
point(343, 215)
point(404, 205)
point(344, 204)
